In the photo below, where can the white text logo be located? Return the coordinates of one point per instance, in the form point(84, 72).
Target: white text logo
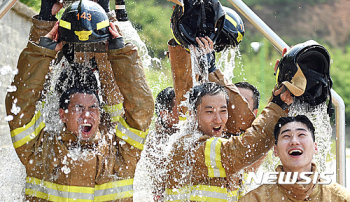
point(289, 178)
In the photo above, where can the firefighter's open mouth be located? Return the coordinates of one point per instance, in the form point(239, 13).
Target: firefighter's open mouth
point(295, 152)
point(217, 129)
point(86, 127)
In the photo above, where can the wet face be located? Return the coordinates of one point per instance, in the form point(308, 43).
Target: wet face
point(295, 147)
point(82, 117)
point(212, 114)
point(248, 95)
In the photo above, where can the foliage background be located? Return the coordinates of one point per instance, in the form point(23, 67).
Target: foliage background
point(295, 21)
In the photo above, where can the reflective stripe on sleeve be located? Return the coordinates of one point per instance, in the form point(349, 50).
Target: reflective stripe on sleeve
point(213, 157)
point(115, 111)
point(56, 192)
point(233, 196)
point(197, 193)
point(132, 136)
point(22, 135)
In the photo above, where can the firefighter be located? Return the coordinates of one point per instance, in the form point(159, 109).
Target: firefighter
point(93, 157)
point(202, 162)
point(295, 146)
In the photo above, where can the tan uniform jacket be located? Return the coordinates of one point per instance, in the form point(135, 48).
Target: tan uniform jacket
point(210, 162)
point(297, 192)
point(57, 169)
point(240, 116)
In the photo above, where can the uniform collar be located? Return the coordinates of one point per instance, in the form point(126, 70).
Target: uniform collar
point(299, 191)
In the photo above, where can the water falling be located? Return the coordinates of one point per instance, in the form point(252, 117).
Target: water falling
point(226, 62)
point(151, 171)
point(130, 35)
point(323, 130)
point(323, 133)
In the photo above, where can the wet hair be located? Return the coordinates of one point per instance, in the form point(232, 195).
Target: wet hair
point(165, 100)
point(256, 94)
point(76, 79)
point(65, 97)
point(299, 118)
point(198, 92)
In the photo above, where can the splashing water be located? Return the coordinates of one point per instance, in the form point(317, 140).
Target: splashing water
point(149, 181)
point(323, 130)
point(130, 35)
point(151, 171)
point(226, 62)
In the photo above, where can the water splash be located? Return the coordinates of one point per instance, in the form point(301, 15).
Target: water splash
point(323, 130)
point(226, 61)
point(130, 35)
point(151, 171)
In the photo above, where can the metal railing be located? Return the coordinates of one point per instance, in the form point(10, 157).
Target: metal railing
point(336, 99)
point(6, 6)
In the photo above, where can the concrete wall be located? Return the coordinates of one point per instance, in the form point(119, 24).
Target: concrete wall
point(14, 30)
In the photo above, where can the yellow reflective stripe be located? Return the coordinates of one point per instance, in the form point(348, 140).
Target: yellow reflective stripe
point(231, 20)
point(56, 192)
point(188, 50)
point(50, 185)
point(233, 196)
point(115, 196)
point(209, 193)
point(177, 195)
point(181, 118)
point(132, 136)
point(114, 111)
point(22, 135)
point(115, 118)
point(114, 190)
point(102, 24)
point(212, 154)
point(114, 184)
point(197, 193)
point(65, 24)
point(48, 197)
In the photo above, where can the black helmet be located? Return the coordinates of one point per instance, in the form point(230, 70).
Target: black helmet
point(233, 31)
point(197, 19)
point(84, 21)
point(304, 70)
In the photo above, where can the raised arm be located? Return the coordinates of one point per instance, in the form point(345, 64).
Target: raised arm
point(129, 75)
point(33, 66)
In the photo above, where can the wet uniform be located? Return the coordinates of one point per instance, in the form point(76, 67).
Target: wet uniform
point(206, 170)
point(59, 168)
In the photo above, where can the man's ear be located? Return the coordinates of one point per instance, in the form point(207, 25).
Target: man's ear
point(275, 150)
point(163, 114)
point(255, 112)
point(62, 115)
point(316, 149)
